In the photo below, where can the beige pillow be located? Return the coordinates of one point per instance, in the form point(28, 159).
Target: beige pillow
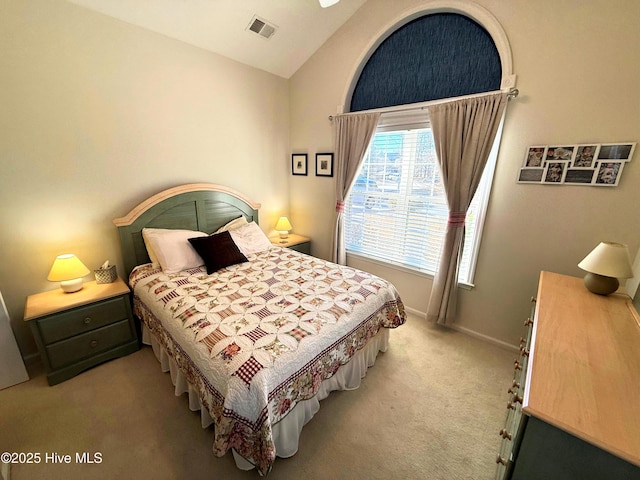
point(250, 239)
point(233, 224)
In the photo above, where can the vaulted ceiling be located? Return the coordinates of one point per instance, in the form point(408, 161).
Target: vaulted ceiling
point(222, 26)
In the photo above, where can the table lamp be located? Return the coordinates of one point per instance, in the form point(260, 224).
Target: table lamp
point(68, 270)
point(283, 226)
point(604, 265)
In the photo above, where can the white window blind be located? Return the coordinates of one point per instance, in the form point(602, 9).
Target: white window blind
point(396, 210)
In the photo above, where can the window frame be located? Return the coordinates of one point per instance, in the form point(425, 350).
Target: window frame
point(416, 117)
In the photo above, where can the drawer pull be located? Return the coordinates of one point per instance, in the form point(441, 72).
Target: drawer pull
point(515, 384)
point(524, 352)
point(512, 390)
point(511, 406)
point(94, 343)
point(533, 299)
point(501, 460)
point(517, 399)
point(517, 365)
point(87, 320)
point(505, 434)
point(528, 322)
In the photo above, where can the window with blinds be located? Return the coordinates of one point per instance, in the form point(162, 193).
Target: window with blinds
point(396, 210)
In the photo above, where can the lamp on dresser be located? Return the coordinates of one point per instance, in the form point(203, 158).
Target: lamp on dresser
point(605, 264)
point(68, 270)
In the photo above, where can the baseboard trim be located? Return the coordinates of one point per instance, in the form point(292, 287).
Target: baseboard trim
point(486, 338)
point(416, 312)
point(468, 331)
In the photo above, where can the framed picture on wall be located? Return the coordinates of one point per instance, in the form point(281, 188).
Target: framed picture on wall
point(596, 164)
point(560, 152)
point(534, 157)
point(299, 164)
point(530, 175)
point(554, 172)
point(579, 176)
point(616, 151)
point(608, 173)
point(324, 164)
point(585, 156)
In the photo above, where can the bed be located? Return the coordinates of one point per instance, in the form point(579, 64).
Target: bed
point(255, 343)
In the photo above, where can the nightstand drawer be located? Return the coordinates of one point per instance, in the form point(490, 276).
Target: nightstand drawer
point(88, 344)
point(304, 247)
point(83, 319)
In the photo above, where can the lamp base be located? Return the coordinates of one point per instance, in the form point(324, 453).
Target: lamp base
point(600, 284)
point(284, 235)
point(70, 286)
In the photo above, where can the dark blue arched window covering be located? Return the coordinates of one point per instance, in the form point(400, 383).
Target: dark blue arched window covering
point(437, 56)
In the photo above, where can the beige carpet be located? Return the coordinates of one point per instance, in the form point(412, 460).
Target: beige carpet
point(430, 408)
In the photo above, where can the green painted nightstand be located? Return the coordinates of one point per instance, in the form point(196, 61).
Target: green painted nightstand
point(76, 331)
point(294, 242)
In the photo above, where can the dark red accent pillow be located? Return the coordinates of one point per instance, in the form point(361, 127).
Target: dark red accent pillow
point(218, 251)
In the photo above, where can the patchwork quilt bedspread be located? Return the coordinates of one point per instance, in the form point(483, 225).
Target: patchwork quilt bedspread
point(256, 338)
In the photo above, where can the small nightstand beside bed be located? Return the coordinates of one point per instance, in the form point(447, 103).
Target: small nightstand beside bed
point(259, 342)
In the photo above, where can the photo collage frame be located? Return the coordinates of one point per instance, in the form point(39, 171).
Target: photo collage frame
point(595, 164)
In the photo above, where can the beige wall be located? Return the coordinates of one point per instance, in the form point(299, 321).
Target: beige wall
point(578, 71)
point(97, 115)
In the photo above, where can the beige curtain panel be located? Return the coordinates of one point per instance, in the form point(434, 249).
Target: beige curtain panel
point(464, 132)
point(352, 134)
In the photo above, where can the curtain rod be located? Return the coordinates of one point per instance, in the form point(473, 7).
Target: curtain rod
point(511, 94)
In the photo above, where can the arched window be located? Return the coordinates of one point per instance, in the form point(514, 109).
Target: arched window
point(435, 56)
point(396, 211)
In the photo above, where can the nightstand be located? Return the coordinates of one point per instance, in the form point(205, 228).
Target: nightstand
point(294, 242)
point(76, 331)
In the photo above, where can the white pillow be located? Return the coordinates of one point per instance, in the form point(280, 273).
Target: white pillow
point(172, 249)
point(250, 239)
point(233, 224)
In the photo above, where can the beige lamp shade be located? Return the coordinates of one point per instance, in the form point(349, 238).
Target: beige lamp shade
point(604, 265)
point(68, 270)
point(328, 3)
point(283, 225)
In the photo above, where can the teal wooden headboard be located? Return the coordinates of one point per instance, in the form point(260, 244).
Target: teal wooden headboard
point(198, 206)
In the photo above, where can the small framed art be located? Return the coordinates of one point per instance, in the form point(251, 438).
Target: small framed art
point(530, 175)
point(554, 172)
point(324, 164)
point(608, 173)
point(535, 157)
point(585, 155)
point(616, 151)
point(562, 152)
point(299, 164)
point(579, 176)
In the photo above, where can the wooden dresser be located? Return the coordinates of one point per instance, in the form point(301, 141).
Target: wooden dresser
point(574, 408)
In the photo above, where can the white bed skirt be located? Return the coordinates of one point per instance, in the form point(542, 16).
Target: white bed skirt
point(287, 432)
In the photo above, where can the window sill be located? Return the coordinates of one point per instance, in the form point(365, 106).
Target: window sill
point(403, 268)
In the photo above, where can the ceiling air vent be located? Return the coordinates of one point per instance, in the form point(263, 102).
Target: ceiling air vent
point(262, 27)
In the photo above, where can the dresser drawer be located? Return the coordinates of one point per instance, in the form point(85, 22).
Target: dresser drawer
point(83, 319)
point(88, 344)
